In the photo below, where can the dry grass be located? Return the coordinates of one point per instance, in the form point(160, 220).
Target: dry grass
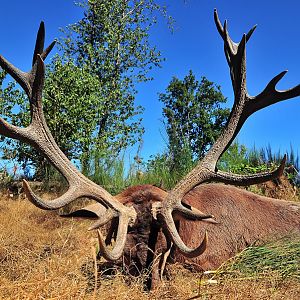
point(279, 188)
point(43, 256)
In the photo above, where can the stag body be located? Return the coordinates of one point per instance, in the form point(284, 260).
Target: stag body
point(242, 219)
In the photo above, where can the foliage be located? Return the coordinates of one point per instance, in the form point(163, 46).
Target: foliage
point(71, 97)
point(110, 174)
point(13, 107)
point(167, 172)
point(112, 42)
point(115, 175)
point(193, 115)
point(70, 124)
point(240, 160)
point(90, 90)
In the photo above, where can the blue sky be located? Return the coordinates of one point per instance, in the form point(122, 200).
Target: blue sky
point(195, 44)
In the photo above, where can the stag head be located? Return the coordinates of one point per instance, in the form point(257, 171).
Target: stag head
point(166, 207)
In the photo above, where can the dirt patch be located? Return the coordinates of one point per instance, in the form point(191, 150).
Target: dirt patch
point(280, 188)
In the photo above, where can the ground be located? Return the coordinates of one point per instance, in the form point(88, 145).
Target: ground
point(43, 256)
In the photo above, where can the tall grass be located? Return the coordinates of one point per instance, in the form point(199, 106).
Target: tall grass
point(110, 173)
point(239, 159)
point(115, 173)
point(266, 155)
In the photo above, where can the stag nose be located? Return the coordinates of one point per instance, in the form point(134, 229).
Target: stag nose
point(155, 209)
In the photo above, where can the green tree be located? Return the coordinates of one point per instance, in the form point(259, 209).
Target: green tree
point(70, 116)
point(10, 98)
point(112, 41)
point(193, 117)
point(235, 159)
point(89, 96)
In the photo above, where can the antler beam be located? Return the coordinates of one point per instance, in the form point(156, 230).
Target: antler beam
point(244, 105)
point(38, 135)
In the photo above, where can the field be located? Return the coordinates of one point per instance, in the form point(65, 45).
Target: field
point(43, 256)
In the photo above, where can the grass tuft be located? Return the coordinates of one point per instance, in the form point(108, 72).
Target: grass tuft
point(280, 259)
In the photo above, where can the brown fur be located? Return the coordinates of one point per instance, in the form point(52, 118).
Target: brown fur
point(145, 241)
point(243, 217)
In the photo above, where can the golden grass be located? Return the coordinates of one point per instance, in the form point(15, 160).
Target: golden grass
point(43, 256)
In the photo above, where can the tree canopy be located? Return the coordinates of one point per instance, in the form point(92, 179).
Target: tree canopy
point(193, 115)
point(90, 87)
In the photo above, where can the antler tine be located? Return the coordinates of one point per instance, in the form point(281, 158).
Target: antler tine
point(244, 105)
point(38, 135)
point(14, 132)
point(40, 41)
point(249, 34)
point(234, 52)
point(270, 95)
point(218, 23)
point(117, 251)
point(45, 53)
point(175, 237)
point(59, 202)
point(37, 87)
point(229, 44)
point(39, 45)
point(25, 79)
point(21, 77)
point(104, 219)
point(244, 180)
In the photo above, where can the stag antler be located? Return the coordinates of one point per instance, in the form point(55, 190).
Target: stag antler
point(38, 135)
point(244, 105)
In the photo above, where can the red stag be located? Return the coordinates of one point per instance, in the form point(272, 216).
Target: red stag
point(146, 221)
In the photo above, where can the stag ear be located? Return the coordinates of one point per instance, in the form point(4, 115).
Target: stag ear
point(92, 211)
